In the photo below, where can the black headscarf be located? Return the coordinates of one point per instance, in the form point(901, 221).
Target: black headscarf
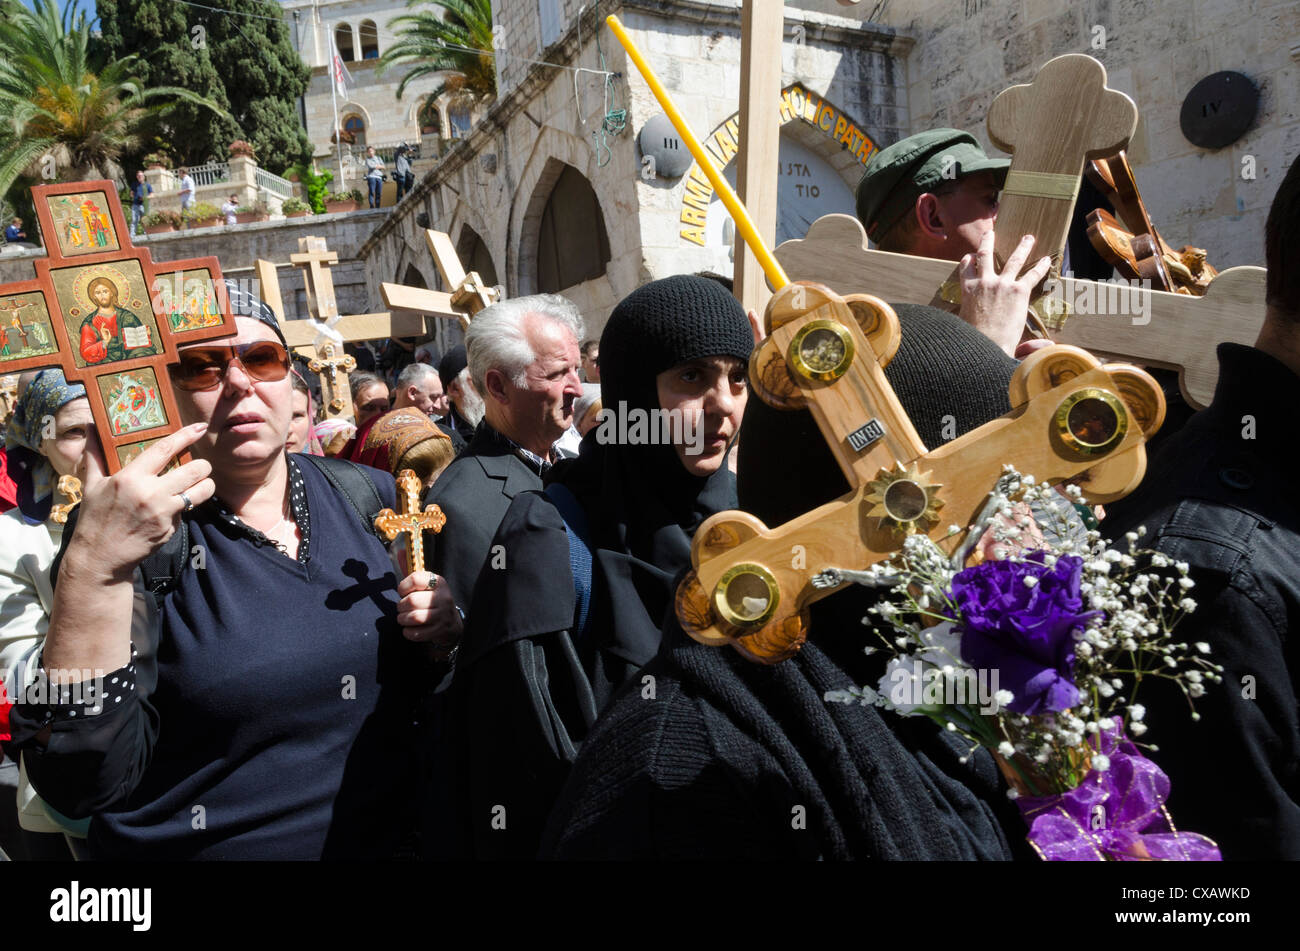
point(642, 505)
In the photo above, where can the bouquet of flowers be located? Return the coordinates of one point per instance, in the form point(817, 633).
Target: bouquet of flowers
point(1036, 653)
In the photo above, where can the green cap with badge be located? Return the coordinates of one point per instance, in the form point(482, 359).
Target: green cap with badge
point(898, 175)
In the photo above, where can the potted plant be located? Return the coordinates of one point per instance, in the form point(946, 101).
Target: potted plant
point(295, 208)
point(157, 160)
point(241, 148)
point(160, 222)
point(348, 200)
point(202, 215)
point(257, 211)
point(313, 184)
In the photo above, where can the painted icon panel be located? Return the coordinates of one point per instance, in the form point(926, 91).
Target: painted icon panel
point(25, 327)
point(132, 400)
point(82, 223)
point(189, 300)
point(107, 312)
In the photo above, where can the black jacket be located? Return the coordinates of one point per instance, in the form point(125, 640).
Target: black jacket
point(474, 493)
point(1220, 495)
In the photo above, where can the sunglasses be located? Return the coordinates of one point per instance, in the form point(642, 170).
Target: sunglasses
point(204, 368)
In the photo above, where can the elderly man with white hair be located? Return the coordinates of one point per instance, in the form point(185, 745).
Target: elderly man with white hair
point(523, 361)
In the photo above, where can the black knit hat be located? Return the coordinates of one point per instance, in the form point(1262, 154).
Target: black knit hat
point(452, 362)
point(663, 324)
point(949, 377)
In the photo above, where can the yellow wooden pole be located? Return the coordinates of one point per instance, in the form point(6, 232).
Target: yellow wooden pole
point(744, 225)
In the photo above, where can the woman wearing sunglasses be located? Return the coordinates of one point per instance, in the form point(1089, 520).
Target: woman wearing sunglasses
point(261, 706)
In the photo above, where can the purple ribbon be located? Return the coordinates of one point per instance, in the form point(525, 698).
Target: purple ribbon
point(1116, 814)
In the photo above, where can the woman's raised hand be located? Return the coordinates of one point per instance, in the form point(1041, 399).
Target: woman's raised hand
point(126, 516)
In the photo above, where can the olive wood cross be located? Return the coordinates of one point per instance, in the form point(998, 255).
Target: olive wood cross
point(409, 520)
point(1072, 419)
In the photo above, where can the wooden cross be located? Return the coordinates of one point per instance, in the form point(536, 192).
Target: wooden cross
point(1052, 127)
point(1072, 419)
point(1070, 416)
point(469, 294)
point(762, 29)
point(314, 258)
point(1157, 329)
point(1175, 331)
point(304, 336)
point(104, 313)
point(337, 399)
point(409, 520)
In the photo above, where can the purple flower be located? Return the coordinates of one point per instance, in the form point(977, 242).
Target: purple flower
point(1024, 630)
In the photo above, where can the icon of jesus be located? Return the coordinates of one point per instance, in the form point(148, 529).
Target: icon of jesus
point(112, 333)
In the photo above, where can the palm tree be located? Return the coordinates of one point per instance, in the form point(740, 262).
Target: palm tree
point(459, 46)
point(60, 101)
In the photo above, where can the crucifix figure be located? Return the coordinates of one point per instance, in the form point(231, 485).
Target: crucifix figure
point(70, 488)
point(337, 399)
point(409, 519)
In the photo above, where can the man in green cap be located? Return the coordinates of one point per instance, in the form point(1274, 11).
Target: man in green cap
point(935, 195)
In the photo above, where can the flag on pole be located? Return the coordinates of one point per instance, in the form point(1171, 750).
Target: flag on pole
point(338, 71)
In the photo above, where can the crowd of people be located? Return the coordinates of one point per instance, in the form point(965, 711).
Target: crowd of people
point(275, 685)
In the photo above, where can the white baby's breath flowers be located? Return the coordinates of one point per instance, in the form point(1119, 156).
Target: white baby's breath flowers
point(1100, 762)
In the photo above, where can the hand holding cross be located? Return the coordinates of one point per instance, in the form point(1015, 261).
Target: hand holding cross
point(409, 520)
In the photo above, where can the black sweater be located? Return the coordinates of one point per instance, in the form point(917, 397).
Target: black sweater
point(270, 719)
point(705, 755)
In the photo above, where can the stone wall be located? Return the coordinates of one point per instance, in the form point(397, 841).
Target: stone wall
point(496, 183)
point(238, 246)
point(1155, 51)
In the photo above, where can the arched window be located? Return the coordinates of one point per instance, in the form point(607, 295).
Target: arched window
point(355, 127)
point(343, 40)
point(429, 117)
point(458, 118)
point(369, 40)
point(572, 245)
point(474, 256)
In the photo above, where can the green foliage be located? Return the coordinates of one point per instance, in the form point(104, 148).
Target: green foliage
point(247, 63)
point(348, 194)
point(294, 204)
point(448, 36)
point(70, 111)
point(201, 212)
point(158, 158)
point(314, 184)
point(155, 218)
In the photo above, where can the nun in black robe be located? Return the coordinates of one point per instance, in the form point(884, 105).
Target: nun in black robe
point(536, 665)
point(736, 760)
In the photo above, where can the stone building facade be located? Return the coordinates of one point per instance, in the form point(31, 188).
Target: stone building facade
point(550, 191)
point(563, 139)
point(370, 112)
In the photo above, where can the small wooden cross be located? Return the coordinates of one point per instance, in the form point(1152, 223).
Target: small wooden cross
point(104, 313)
point(1071, 416)
point(409, 520)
